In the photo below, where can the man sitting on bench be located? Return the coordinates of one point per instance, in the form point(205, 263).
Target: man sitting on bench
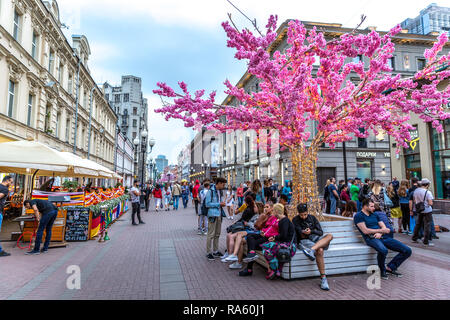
point(375, 234)
point(311, 240)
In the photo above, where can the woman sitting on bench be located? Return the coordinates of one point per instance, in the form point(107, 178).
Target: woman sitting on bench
point(248, 214)
point(284, 239)
point(311, 240)
point(268, 224)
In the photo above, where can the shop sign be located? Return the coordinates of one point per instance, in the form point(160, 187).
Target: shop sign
point(414, 139)
point(387, 154)
point(366, 154)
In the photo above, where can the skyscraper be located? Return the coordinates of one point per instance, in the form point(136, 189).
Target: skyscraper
point(431, 19)
point(161, 163)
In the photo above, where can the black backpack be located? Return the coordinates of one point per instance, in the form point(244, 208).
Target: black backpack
point(204, 208)
point(363, 193)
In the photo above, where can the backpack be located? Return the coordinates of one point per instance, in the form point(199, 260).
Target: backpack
point(326, 194)
point(387, 201)
point(204, 208)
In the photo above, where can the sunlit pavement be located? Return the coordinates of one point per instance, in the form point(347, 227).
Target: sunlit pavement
point(165, 259)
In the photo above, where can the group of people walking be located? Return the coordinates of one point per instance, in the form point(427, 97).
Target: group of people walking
point(395, 202)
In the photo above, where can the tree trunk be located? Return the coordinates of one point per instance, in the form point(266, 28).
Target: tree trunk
point(304, 180)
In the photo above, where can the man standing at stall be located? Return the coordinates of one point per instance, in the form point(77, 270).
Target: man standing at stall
point(4, 190)
point(45, 213)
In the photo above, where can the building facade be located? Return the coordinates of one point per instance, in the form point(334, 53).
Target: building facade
point(125, 159)
point(432, 19)
point(184, 162)
point(42, 77)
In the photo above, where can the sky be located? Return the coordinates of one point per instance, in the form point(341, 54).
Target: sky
point(178, 40)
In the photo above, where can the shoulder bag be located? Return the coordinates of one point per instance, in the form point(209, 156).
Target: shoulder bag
point(420, 207)
point(284, 254)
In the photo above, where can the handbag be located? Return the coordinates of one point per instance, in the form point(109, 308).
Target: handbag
point(420, 207)
point(284, 253)
point(387, 201)
point(236, 227)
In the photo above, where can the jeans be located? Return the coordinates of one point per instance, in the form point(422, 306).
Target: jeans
point(196, 202)
point(333, 202)
point(202, 220)
point(175, 202)
point(185, 198)
point(46, 223)
point(136, 210)
point(240, 201)
point(1, 220)
point(382, 245)
point(424, 221)
point(146, 200)
point(358, 205)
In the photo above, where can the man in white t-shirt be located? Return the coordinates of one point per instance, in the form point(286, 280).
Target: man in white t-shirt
point(135, 203)
point(424, 195)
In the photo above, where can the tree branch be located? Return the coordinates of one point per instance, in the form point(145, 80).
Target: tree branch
point(253, 22)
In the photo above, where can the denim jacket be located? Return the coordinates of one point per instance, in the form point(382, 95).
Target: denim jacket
point(213, 203)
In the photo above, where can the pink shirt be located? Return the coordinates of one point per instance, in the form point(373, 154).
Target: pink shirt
point(271, 227)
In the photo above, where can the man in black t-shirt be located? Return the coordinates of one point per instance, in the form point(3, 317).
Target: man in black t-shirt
point(4, 190)
point(46, 214)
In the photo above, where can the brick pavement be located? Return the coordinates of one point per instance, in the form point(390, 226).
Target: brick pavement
point(134, 265)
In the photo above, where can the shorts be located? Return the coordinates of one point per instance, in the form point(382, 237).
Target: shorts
point(250, 231)
point(309, 244)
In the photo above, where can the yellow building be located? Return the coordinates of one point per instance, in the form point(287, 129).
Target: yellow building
point(38, 84)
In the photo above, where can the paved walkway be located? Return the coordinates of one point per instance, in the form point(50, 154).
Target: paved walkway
point(165, 259)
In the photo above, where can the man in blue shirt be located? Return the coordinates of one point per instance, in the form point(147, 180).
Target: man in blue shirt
point(375, 232)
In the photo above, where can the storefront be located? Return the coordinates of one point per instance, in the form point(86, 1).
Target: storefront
point(440, 152)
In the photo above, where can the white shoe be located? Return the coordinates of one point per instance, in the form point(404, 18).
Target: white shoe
point(224, 256)
point(232, 218)
point(231, 258)
point(223, 260)
point(235, 265)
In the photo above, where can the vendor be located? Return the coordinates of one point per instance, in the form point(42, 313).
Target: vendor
point(4, 191)
point(46, 213)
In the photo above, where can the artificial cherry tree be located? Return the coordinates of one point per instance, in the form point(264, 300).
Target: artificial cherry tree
point(294, 93)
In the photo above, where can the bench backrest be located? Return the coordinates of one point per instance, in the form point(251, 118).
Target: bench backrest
point(344, 232)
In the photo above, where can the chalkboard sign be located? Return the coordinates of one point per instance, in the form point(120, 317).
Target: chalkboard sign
point(77, 224)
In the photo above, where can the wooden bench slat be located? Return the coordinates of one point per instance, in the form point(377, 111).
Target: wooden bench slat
point(336, 229)
point(316, 273)
point(337, 223)
point(335, 259)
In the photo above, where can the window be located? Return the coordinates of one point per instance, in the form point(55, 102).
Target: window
point(421, 63)
point(134, 123)
point(440, 145)
point(58, 125)
point(107, 97)
point(134, 135)
point(11, 94)
point(70, 84)
point(357, 59)
point(60, 73)
point(51, 61)
point(47, 119)
point(412, 156)
point(29, 110)
point(364, 169)
point(34, 46)
point(391, 63)
point(362, 142)
point(126, 97)
point(68, 128)
point(17, 25)
point(134, 111)
point(85, 99)
point(117, 98)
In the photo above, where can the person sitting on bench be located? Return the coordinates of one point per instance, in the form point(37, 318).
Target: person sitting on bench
point(375, 234)
point(311, 240)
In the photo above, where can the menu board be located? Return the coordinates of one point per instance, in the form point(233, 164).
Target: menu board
point(77, 224)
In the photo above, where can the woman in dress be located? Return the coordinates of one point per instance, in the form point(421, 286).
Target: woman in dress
point(230, 202)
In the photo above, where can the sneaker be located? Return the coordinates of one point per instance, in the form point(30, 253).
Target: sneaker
point(205, 233)
point(199, 232)
point(309, 253)
point(271, 275)
point(210, 257)
point(278, 273)
point(236, 265)
point(217, 254)
point(435, 237)
point(4, 254)
point(410, 233)
point(32, 253)
point(405, 232)
point(44, 251)
point(429, 244)
point(134, 224)
point(225, 255)
point(395, 273)
point(245, 273)
point(231, 258)
point(384, 276)
point(142, 222)
point(414, 241)
point(250, 257)
point(324, 284)
point(232, 218)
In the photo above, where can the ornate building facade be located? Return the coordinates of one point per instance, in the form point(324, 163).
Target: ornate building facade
point(47, 92)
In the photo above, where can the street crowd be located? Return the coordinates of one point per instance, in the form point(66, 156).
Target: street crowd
point(262, 226)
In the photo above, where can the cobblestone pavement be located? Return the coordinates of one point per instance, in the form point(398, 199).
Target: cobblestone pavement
point(165, 259)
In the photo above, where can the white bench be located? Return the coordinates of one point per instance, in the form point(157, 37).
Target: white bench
point(348, 253)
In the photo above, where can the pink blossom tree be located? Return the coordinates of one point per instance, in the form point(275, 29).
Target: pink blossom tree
point(293, 94)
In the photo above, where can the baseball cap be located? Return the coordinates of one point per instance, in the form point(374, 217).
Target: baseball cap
point(425, 181)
